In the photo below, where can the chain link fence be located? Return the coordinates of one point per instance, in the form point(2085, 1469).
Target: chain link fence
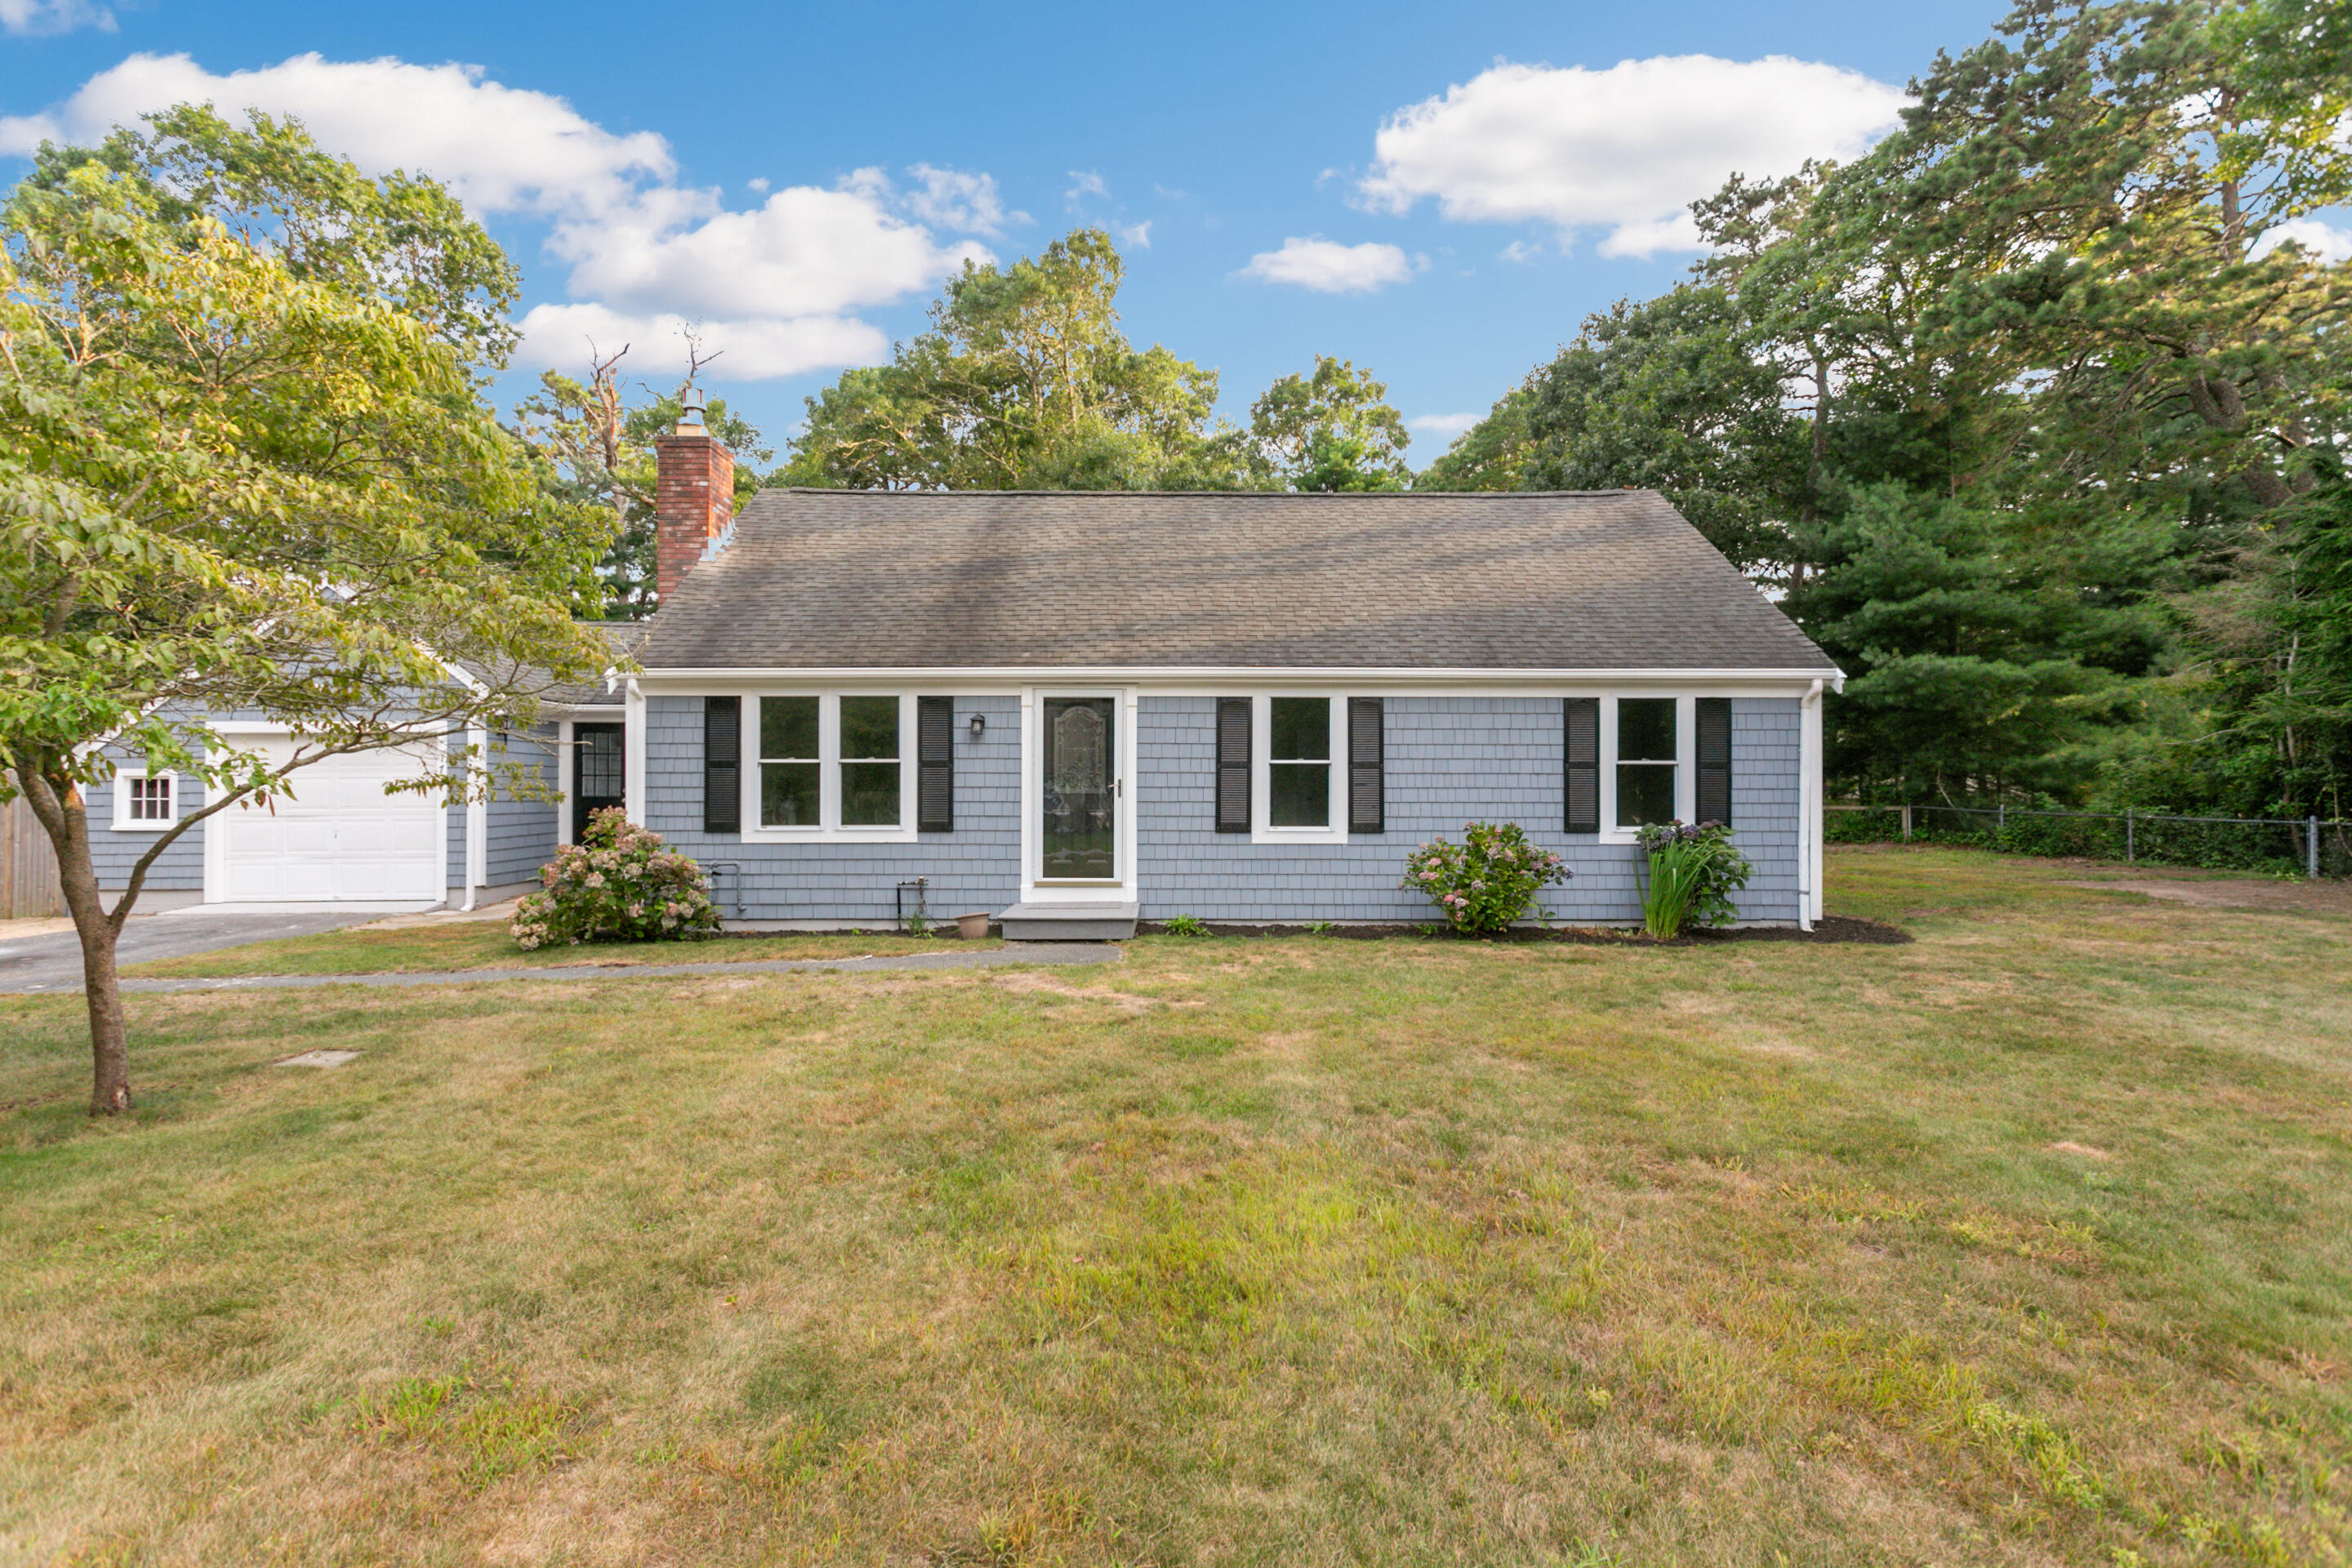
point(2309, 847)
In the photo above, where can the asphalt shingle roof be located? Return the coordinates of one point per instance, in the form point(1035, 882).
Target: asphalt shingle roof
point(1605, 580)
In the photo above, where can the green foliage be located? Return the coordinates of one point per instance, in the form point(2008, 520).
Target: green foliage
point(1332, 430)
point(1693, 872)
point(1977, 663)
point(1487, 882)
point(245, 470)
point(1026, 381)
point(2031, 411)
point(617, 884)
point(403, 240)
point(1185, 925)
point(600, 450)
point(1492, 455)
point(1671, 395)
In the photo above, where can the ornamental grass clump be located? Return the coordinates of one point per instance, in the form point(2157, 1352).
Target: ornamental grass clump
point(1487, 880)
point(1694, 871)
point(617, 884)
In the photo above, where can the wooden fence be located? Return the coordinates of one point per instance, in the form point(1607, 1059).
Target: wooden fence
point(28, 866)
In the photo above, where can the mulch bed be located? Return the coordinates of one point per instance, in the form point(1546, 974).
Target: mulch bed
point(1829, 928)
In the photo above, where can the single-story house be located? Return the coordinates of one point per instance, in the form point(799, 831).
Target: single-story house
point(1076, 709)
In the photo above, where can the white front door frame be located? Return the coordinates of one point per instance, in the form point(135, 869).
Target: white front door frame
point(1034, 889)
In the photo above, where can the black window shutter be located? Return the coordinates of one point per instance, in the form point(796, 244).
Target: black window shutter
point(1233, 764)
point(1582, 754)
point(935, 765)
point(1367, 800)
point(722, 765)
point(1715, 760)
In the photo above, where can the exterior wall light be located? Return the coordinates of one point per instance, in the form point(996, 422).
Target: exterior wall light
point(979, 725)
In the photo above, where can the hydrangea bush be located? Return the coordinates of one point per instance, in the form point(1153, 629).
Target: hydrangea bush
point(1487, 880)
point(617, 884)
point(1694, 871)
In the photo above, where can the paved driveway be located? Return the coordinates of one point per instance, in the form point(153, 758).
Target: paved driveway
point(53, 962)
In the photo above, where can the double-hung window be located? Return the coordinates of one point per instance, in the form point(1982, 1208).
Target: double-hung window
point(1299, 784)
point(1298, 762)
point(832, 765)
point(1648, 760)
point(144, 802)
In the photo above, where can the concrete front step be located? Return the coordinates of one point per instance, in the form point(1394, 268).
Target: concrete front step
point(1069, 922)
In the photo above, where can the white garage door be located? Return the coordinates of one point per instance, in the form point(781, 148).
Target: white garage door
point(341, 838)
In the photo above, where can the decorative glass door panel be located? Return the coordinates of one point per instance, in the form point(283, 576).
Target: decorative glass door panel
point(1079, 797)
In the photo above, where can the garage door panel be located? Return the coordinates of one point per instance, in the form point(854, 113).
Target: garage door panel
point(339, 837)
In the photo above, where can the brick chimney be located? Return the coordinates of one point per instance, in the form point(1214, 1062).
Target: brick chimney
point(694, 496)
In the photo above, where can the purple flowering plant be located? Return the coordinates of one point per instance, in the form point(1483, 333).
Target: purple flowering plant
point(617, 884)
point(1693, 871)
point(1487, 880)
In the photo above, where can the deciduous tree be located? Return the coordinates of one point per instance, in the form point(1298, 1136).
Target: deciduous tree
point(245, 472)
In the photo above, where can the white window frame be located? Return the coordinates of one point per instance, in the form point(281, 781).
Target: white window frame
point(1262, 828)
point(829, 828)
point(1686, 763)
point(126, 823)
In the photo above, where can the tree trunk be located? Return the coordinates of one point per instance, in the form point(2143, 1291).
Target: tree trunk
point(59, 806)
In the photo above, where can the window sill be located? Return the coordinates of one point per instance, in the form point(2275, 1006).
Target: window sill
point(1299, 836)
point(139, 826)
point(829, 836)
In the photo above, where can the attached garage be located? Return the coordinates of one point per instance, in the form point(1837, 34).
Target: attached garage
point(340, 839)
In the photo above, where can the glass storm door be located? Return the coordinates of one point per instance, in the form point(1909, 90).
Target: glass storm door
point(1080, 803)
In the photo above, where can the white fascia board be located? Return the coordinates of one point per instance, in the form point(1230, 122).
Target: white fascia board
point(1238, 681)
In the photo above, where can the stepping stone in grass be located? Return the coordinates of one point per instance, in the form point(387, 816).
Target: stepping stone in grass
point(320, 1059)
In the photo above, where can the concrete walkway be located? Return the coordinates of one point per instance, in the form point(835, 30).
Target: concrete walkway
point(52, 960)
point(1058, 952)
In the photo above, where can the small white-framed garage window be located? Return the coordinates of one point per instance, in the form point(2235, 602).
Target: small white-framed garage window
point(144, 802)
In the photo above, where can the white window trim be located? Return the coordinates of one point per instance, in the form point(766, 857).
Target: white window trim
point(123, 821)
point(1262, 829)
point(1685, 765)
point(830, 828)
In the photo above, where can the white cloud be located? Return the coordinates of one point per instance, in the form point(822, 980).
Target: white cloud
point(1626, 148)
point(502, 149)
point(1138, 234)
point(953, 199)
point(1329, 268)
point(1519, 251)
point(775, 287)
point(804, 252)
point(35, 19)
point(1446, 425)
point(2327, 243)
point(1086, 182)
point(760, 184)
point(750, 348)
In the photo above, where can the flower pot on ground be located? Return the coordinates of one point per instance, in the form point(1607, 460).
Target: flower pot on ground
point(972, 927)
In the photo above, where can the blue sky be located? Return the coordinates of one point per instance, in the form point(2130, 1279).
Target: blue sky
point(1439, 193)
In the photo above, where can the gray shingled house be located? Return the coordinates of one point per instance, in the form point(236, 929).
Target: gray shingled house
point(1074, 709)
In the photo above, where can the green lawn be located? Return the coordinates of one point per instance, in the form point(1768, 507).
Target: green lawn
point(2024, 1243)
point(485, 944)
